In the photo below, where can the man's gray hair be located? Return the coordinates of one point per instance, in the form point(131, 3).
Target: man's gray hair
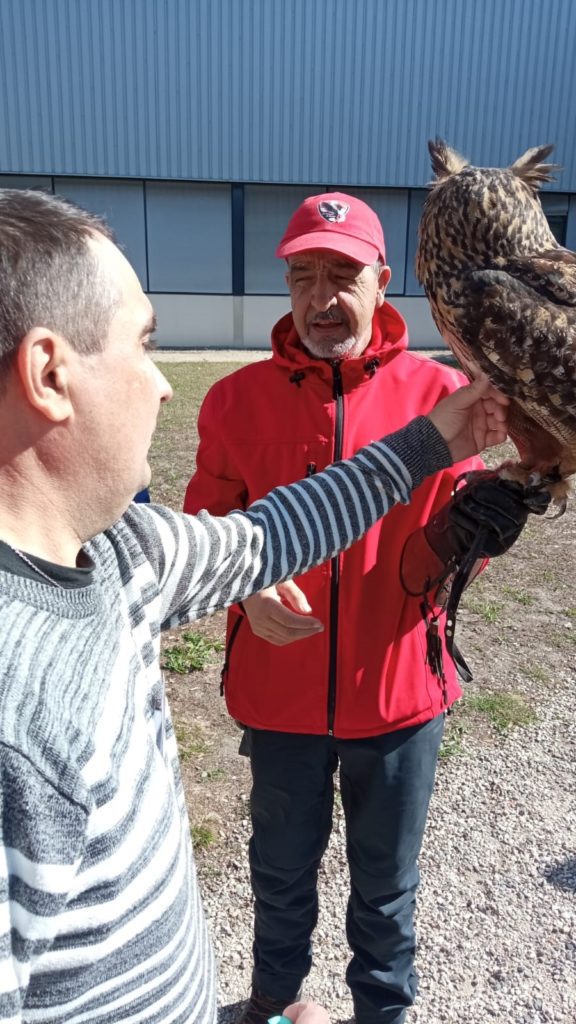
point(49, 276)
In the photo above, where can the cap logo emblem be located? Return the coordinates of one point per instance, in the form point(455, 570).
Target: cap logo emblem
point(333, 211)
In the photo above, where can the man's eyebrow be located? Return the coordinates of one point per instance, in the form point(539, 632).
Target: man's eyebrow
point(150, 326)
point(301, 265)
point(345, 264)
point(342, 264)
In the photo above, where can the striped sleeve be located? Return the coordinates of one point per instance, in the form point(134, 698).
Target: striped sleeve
point(211, 562)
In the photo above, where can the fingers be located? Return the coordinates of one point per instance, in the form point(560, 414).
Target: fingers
point(496, 412)
point(476, 389)
point(491, 413)
point(273, 621)
point(494, 436)
point(472, 418)
point(496, 419)
point(479, 390)
point(481, 387)
point(490, 419)
point(296, 598)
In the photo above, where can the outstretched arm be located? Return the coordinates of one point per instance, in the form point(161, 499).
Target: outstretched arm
point(206, 563)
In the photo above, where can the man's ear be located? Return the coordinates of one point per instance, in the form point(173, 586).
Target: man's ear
point(383, 282)
point(43, 367)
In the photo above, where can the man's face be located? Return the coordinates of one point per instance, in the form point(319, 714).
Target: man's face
point(120, 388)
point(333, 302)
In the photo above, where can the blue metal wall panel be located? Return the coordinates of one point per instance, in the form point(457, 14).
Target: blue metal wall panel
point(311, 91)
point(24, 181)
point(189, 230)
point(121, 203)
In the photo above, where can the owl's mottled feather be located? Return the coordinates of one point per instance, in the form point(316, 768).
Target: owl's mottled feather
point(503, 295)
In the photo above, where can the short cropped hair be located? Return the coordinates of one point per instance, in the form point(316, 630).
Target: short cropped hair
point(49, 276)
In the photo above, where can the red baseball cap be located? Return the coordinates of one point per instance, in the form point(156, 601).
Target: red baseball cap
point(337, 222)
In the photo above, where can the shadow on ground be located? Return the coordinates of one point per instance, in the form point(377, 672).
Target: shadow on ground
point(231, 1012)
point(562, 875)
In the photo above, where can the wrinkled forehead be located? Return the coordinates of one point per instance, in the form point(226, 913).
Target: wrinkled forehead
point(317, 259)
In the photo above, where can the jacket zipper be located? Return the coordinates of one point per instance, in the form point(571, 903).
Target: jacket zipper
point(335, 565)
point(227, 654)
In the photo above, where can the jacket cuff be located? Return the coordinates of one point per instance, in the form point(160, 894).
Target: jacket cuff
point(421, 448)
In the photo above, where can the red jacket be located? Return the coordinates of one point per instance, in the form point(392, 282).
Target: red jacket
point(273, 422)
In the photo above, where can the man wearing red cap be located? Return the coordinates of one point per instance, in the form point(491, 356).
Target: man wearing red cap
point(330, 670)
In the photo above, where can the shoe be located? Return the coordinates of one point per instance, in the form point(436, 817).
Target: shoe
point(260, 1008)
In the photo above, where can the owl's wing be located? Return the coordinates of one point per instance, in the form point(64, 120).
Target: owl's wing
point(525, 342)
point(552, 274)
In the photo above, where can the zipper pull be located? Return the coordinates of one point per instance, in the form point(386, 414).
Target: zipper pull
point(310, 469)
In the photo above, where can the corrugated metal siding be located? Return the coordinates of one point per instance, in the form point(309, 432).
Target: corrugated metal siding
point(312, 91)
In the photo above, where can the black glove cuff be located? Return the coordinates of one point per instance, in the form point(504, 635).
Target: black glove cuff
point(484, 502)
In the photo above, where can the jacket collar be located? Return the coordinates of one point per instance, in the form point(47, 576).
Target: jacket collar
point(389, 337)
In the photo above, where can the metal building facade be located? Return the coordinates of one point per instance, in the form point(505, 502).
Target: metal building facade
point(158, 111)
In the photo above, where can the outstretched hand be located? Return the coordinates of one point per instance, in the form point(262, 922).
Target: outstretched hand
point(271, 619)
point(471, 419)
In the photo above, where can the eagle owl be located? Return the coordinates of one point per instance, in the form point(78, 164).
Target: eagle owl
point(503, 295)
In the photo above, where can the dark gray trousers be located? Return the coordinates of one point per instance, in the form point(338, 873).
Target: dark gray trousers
point(386, 783)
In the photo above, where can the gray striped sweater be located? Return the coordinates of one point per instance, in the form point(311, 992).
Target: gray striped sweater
point(100, 915)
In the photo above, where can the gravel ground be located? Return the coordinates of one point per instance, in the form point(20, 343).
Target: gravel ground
point(497, 915)
point(209, 355)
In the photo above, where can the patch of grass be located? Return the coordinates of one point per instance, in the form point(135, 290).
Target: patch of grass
point(202, 836)
point(488, 609)
point(192, 655)
point(213, 775)
point(453, 741)
point(191, 740)
point(538, 674)
point(518, 595)
point(173, 451)
point(565, 639)
point(570, 612)
point(505, 711)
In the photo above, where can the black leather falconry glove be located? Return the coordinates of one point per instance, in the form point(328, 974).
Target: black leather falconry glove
point(483, 519)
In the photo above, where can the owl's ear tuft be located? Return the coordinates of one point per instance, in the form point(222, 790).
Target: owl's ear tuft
point(445, 161)
point(531, 169)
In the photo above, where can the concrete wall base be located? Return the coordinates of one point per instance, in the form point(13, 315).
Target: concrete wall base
point(245, 321)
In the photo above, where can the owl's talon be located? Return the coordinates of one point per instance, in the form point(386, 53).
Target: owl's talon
point(561, 505)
